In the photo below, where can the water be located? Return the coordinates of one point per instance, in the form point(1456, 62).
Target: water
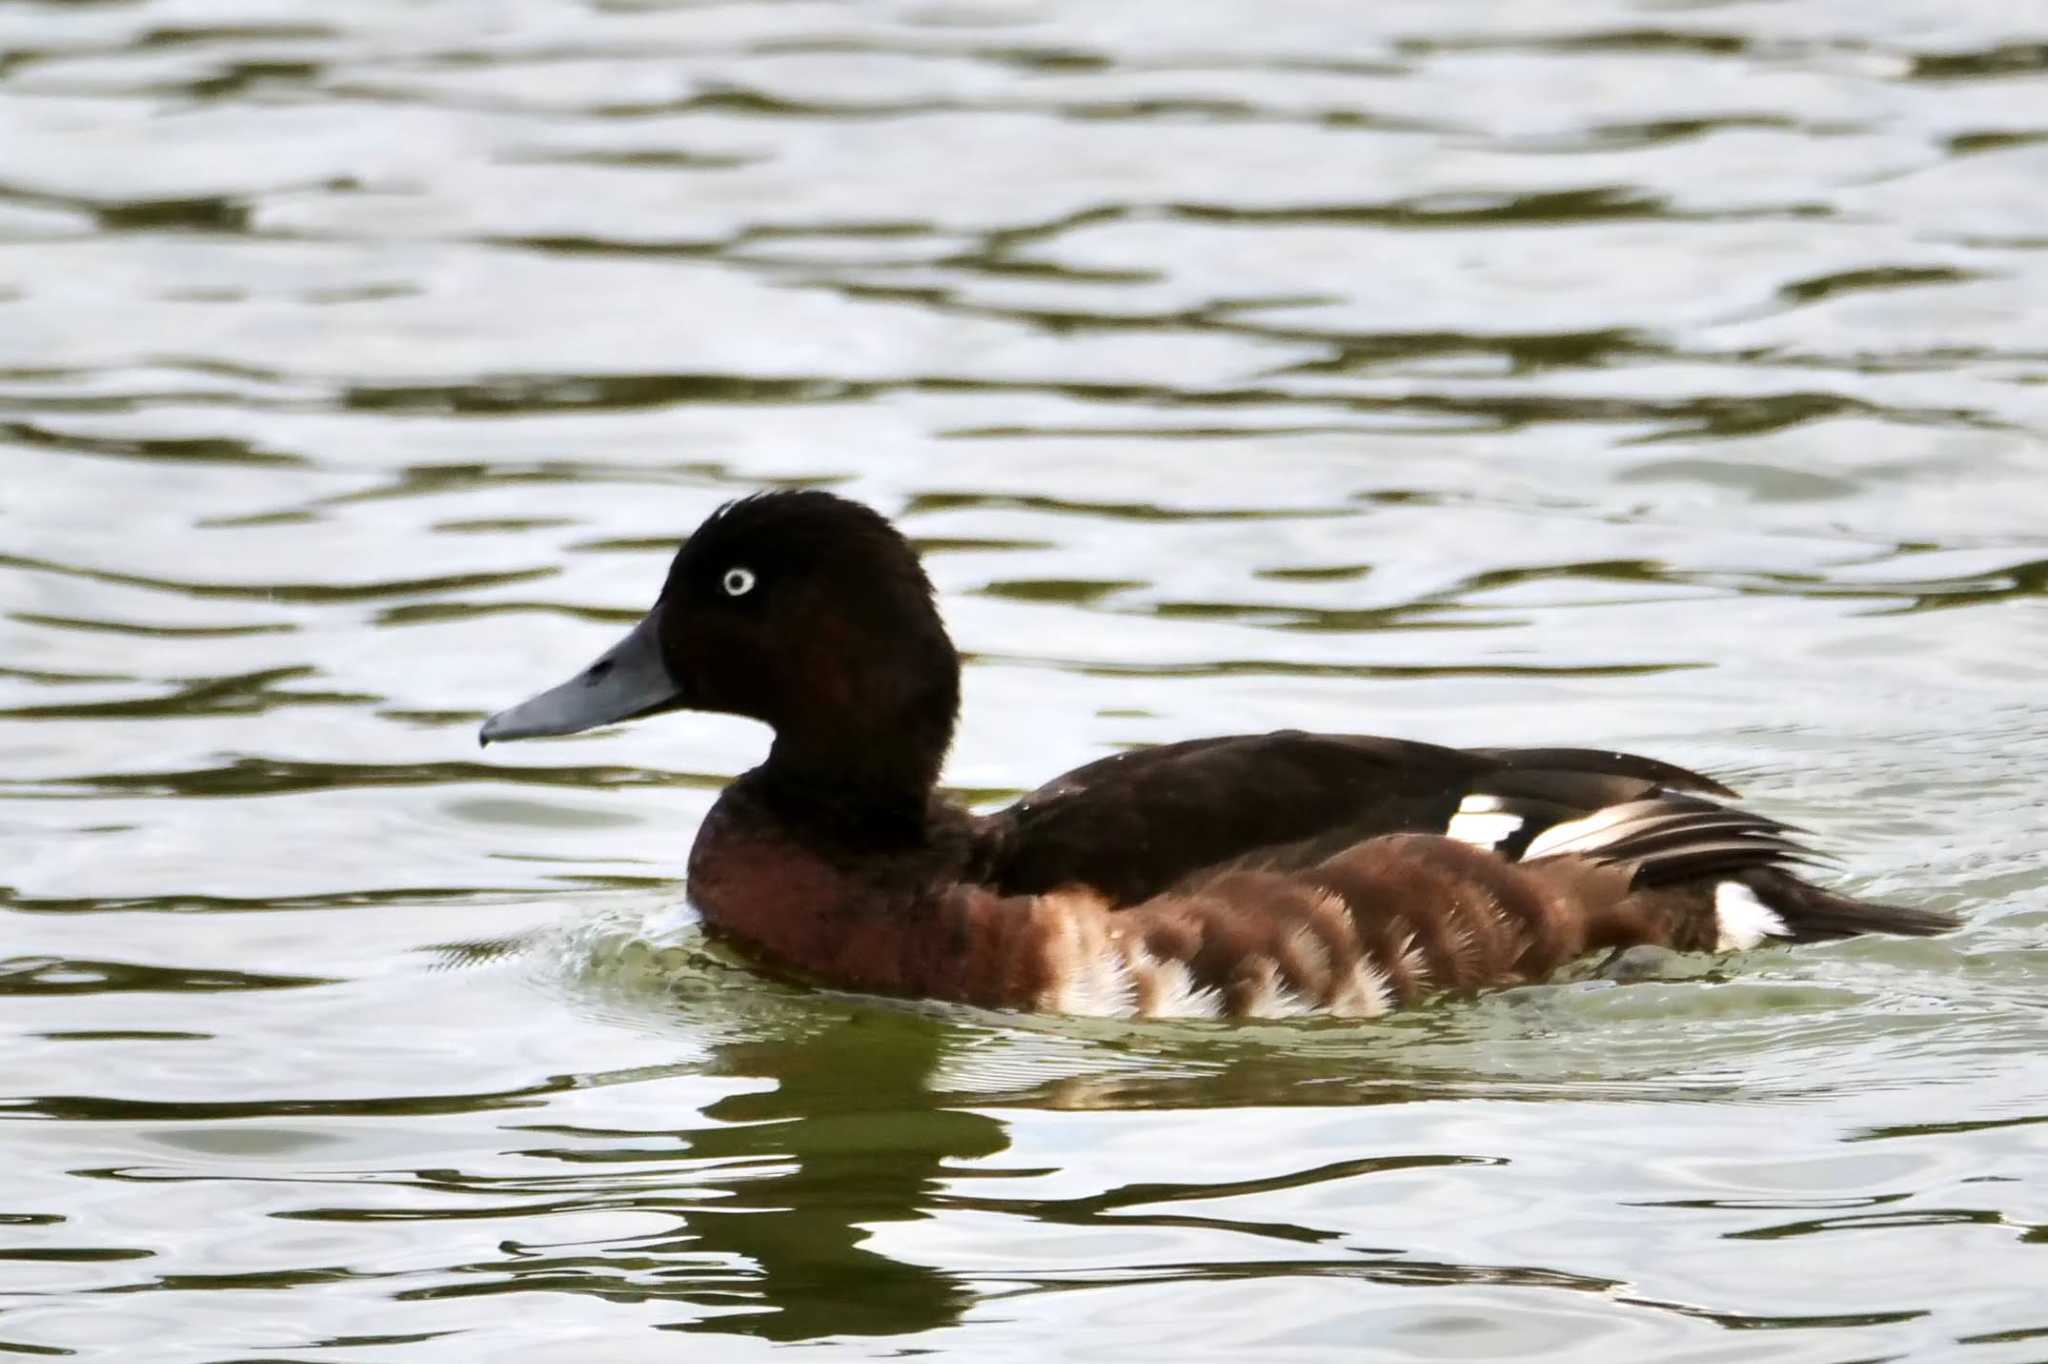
point(1660, 376)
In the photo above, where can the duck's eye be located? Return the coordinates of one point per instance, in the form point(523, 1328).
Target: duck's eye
point(737, 581)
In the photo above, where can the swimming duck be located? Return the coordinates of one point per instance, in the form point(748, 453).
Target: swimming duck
point(1267, 875)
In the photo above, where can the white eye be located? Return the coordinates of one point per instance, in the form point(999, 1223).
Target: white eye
point(738, 582)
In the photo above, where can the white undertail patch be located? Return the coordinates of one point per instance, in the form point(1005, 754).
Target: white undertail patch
point(1742, 920)
point(1482, 822)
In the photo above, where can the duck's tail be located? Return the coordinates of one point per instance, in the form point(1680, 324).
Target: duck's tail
point(1680, 848)
point(1811, 913)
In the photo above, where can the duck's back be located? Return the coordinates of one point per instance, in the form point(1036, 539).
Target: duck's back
point(1138, 823)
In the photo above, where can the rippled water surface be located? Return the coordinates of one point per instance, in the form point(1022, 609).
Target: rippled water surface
point(1657, 375)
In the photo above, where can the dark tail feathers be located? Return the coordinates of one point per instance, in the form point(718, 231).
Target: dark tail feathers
point(1816, 915)
point(1669, 839)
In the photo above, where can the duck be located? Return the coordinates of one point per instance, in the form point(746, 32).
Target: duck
point(1259, 876)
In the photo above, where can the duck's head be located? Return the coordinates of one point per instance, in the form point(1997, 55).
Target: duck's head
point(802, 610)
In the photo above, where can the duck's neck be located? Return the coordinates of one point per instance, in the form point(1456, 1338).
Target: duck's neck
point(838, 803)
point(861, 778)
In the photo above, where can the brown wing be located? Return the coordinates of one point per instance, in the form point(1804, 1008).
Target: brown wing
point(1135, 824)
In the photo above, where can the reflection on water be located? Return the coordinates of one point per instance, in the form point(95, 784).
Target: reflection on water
point(763, 1202)
point(1668, 379)
point(850, 1121)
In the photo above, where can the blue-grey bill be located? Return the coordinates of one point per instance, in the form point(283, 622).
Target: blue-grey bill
point(627, 680)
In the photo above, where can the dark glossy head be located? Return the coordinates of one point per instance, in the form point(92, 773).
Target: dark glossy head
point(799, 609)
